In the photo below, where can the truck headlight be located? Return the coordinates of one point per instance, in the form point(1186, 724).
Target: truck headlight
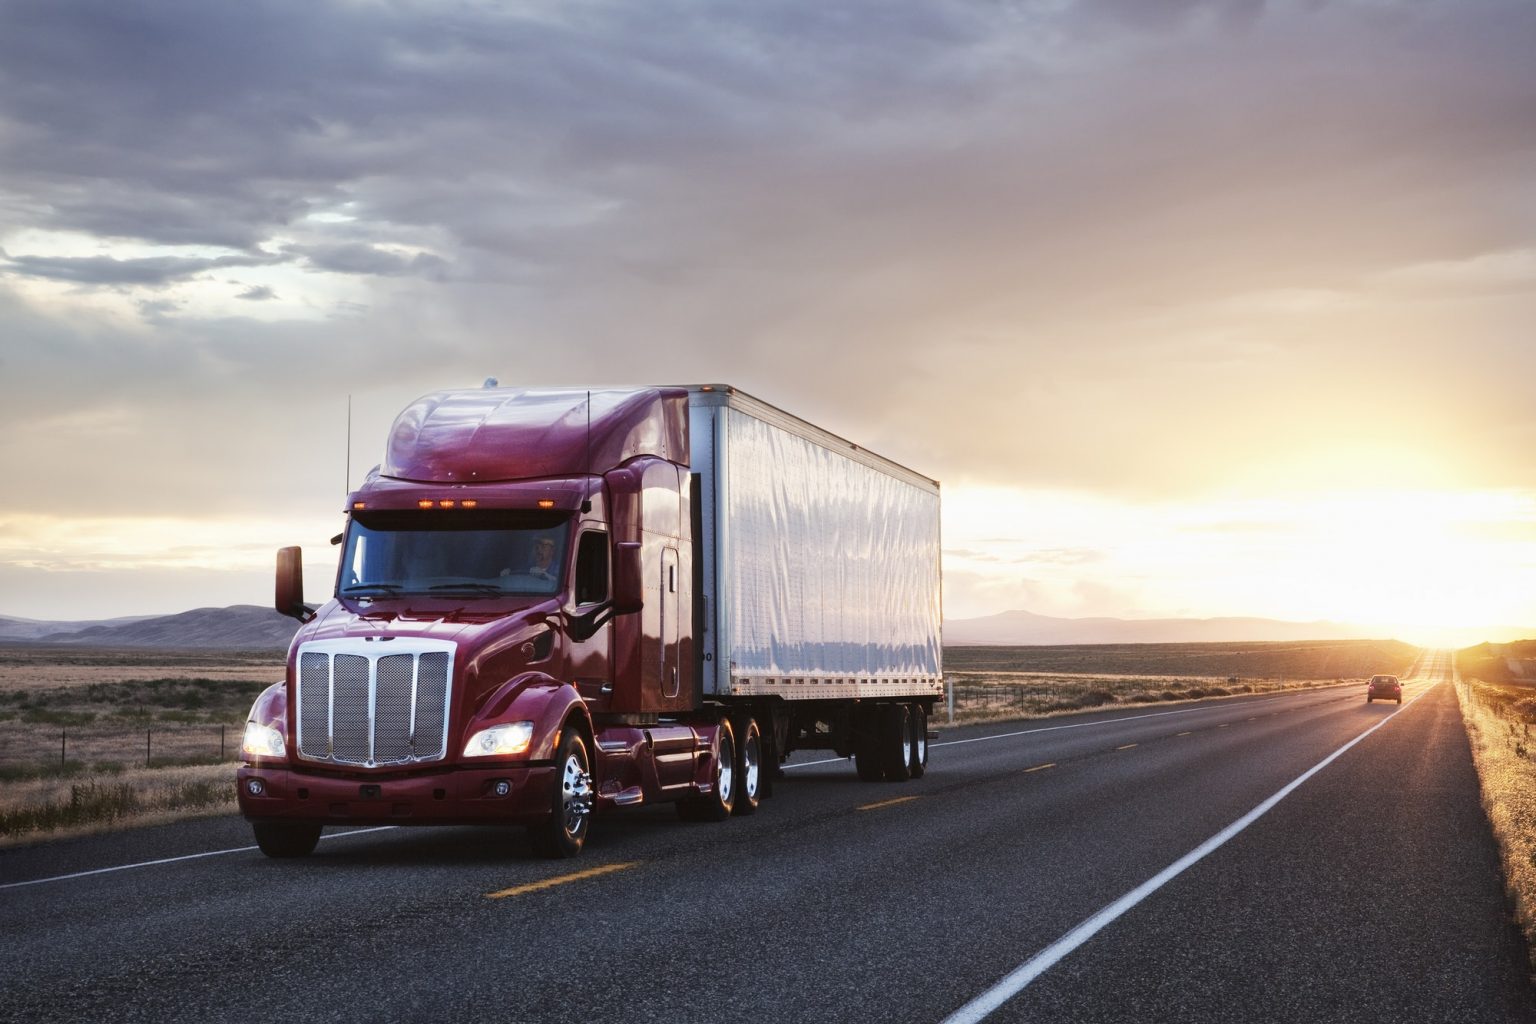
point(263, 741)
point(499, 740)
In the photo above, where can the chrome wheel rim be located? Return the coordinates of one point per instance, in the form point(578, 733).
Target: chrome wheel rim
point(575, 795)
point(922, 745)
point(750, 757)
point(727, 773)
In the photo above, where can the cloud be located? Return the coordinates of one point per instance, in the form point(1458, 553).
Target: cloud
point(1132, 248)
point(355, 258)
point(150, 271)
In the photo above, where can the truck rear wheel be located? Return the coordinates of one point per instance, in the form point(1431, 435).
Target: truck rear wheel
point(896, 742)
point(749, 766)
point(918, 717)
point(717, 804)
point(286, 838)
point(868, 751)
point(570, 818)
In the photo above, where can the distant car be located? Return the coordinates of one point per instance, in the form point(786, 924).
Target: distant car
point(1385, 687)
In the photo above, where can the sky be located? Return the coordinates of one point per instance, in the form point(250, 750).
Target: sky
point(1195, 308)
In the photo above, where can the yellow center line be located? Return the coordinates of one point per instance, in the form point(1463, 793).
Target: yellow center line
point(1040, 767)
point(1128, 746)
point(1190, 732)
point(888, 803)
point(550, 883)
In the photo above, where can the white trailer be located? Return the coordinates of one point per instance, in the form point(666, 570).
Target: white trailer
point(819, 566)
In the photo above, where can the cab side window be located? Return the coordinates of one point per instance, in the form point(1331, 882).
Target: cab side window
point(592, 568)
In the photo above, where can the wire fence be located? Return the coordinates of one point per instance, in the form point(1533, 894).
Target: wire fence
point(37, 749)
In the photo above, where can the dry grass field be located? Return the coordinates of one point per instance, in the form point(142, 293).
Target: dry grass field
point(993, 683)
point(1501, 723)
point(94, 738)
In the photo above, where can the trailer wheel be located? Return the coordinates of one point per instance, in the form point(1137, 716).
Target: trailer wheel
point(717, 804)
point(286, 838)
point(896, 740)
point(749, 766)
point(570, 813)
point(918, 717)
point(868, 745)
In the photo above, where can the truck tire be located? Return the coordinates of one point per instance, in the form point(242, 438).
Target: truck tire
point(868, 757)
point(286, 838)
point(571, 798)
point(749, 766)
point(918, 717)
point(896, 742)
point(717, 804)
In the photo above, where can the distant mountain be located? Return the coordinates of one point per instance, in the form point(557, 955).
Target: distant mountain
point(12, 628)
point(1026, 629)
point(240, 626)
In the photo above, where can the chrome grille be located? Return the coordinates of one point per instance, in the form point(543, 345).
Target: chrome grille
point(373, 703)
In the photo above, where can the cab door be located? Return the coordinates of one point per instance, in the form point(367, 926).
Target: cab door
point(670, 675)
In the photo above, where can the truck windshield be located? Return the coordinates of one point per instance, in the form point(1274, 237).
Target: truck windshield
point(459, 553)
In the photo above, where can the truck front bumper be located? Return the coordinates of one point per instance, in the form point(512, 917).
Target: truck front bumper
point(454, 797)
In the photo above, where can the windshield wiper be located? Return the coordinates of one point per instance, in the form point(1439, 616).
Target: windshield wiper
point(478, 588)
point(363, 588)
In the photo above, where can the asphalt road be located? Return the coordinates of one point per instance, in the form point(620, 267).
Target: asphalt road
point(1196, 862)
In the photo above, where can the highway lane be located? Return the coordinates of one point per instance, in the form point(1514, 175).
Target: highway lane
point(849, 901)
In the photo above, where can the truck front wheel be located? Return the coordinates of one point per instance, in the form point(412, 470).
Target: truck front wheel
point(286, 838)
point(570, 818)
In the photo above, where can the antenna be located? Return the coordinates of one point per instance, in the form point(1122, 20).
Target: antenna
point(348, 488)
point(586, 503)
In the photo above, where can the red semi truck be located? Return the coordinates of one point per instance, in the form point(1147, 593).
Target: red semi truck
point(553, 603)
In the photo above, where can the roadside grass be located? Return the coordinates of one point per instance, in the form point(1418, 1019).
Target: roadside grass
point(986, 697)
point(1500, 717)
point(96, 740)
point(58, 806)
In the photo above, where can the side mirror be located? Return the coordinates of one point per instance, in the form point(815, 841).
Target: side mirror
point(289, 598)
point(628, 578)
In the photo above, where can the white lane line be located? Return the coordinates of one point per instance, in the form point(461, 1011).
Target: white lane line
point(1015, 982)
point(172, 860)
point(1076, 725)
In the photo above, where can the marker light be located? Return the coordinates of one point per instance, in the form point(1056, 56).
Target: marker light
point(359, 504)
point(500, 740)
point(446, 503)
point(546, 503)
point(424, 503)
point(263, 741)
point(469, 503)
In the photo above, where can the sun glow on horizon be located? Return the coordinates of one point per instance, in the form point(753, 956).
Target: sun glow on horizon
point(1424, 566)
